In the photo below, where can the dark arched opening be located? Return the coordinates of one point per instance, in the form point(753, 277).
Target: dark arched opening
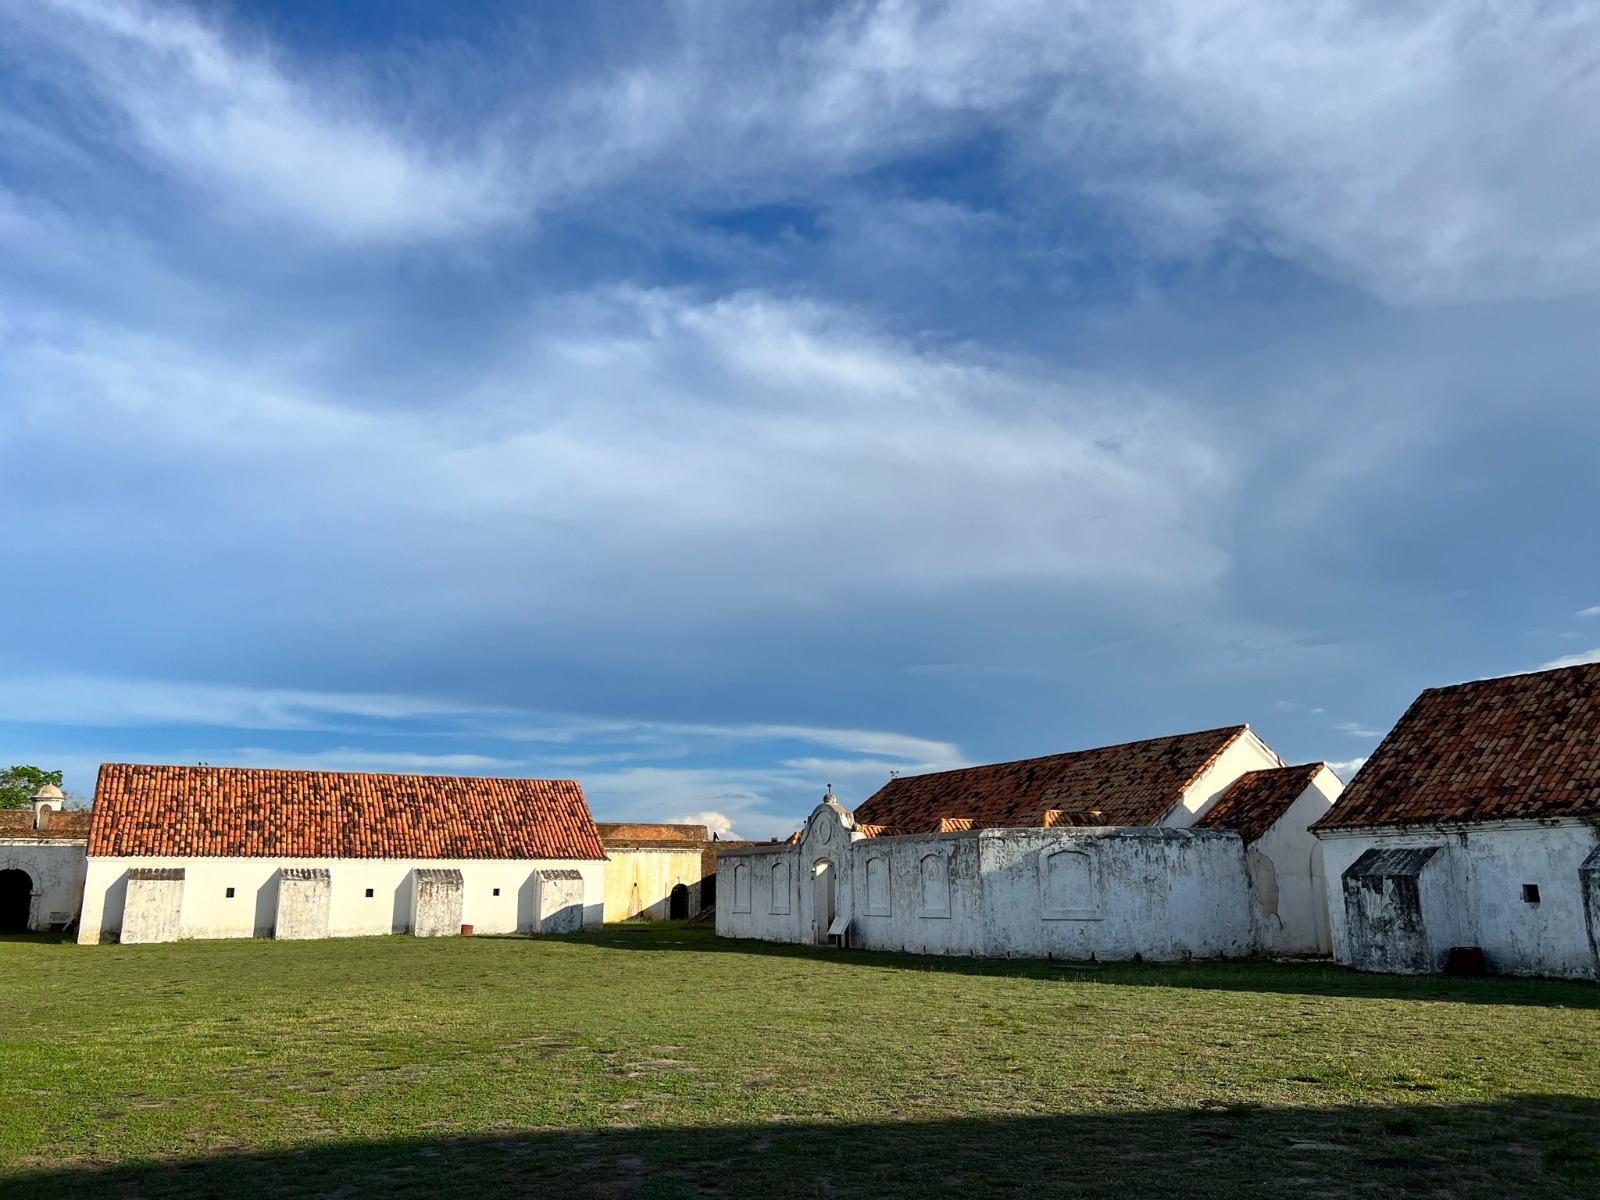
point(16, 899)
point(678, 904)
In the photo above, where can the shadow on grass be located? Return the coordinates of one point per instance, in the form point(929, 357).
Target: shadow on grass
point(1535, 1147)
point(53, 938)
point(1296, 978)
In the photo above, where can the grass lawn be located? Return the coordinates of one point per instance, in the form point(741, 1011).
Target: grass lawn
point(660, 1061)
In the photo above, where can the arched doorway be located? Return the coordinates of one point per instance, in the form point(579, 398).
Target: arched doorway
point(822, 885)
point(16, 901)
point(678, 903)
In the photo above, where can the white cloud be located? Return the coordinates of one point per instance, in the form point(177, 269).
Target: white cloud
point(1573, 660)
point(1591, 611)
point(761, 792)
point(715, 822)
point(1346, 769)
point(100, 702)
point(351, 758)
point(769, 445)
point(1432, 153)
point(1357, 730)
point(1429, 153)
point(223, 112)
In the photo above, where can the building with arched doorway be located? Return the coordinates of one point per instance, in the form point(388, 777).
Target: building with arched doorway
point(42, 864)
point(657, 872)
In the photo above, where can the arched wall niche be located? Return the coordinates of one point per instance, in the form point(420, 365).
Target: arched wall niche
point(878, 894)
point(1069, 886)
point(782, 886)
point(934, 877)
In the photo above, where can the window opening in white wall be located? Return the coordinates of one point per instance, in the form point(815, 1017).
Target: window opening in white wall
point(497, 891)
point(1530, 893)
point(369, 893)
point(230, 893)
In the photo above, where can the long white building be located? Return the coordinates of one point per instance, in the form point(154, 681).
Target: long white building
point(1193, 846)
point(225, 852)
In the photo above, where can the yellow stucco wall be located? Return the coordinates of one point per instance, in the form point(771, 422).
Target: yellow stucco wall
point(640, 880)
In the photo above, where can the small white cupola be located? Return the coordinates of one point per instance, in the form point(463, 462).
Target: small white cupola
point(47, 800)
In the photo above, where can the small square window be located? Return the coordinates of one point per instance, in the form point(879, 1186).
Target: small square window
point(1530, 893)
point(497, 891)
point(230, 893)
point(369, 893)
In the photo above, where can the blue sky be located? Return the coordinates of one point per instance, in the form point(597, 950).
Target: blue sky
point(714, 401)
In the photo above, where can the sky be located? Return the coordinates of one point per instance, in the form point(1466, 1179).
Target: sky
point(713, 402)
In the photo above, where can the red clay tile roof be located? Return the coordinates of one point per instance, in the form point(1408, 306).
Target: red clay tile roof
point(1521, 746)
point(69, 825)
point(246, 812)
point(1130, 784)
point(1252, 803)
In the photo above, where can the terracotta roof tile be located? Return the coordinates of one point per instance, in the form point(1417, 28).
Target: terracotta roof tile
point(1517, 747)
point(69, 825)
point(248, 812)
point(1252, 803)
point(1134, 783)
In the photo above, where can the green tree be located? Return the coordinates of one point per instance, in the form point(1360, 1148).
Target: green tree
point(18, 784)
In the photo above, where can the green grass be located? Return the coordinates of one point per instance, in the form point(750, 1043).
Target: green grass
point(660, 1061)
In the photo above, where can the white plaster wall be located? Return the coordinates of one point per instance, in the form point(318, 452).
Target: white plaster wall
point(151, 913)
point(761, 917)
point(57, 870)
point(1475, 899)
point(1162, 894)
point(560, 898)
point(1289, 900)
point(209, 913)
point(1246, 752)
point(437, 900)
point(303, 906)
point(639, 881)
point(955, 928)
point(1589, 882)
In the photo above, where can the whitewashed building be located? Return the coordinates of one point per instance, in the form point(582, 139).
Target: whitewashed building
point(42, 863)
point(1475, 826)
point(655, 872)
point(660, 872)
point(223, 852)
point(1109, 853)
